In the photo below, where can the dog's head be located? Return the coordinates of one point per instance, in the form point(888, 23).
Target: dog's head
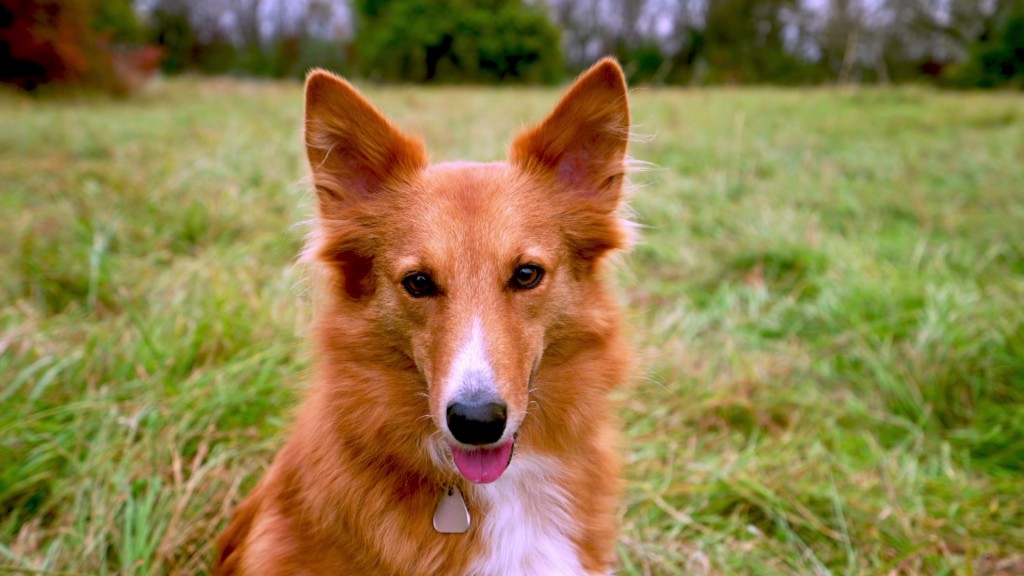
point(472, 271)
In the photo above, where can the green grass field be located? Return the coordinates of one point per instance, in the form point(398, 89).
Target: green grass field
point(828, 304)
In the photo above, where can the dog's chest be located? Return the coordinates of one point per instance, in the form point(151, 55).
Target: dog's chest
point(528, 527)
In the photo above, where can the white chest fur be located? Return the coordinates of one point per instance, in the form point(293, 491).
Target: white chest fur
point(528, 525)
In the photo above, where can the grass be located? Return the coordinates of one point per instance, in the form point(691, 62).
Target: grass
point(827, 304)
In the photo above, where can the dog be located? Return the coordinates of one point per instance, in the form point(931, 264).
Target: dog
point(458, 420)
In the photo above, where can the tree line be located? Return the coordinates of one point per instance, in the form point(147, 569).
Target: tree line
point(970, 43)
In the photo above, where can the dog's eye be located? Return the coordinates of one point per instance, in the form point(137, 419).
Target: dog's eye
point(419, 284)
point(526, 277)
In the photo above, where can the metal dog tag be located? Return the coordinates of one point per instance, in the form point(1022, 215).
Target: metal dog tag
point(451, 516)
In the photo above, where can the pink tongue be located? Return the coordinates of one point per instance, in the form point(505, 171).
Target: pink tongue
point(483, 465)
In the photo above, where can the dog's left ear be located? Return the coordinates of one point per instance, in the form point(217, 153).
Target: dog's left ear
point(582, 143)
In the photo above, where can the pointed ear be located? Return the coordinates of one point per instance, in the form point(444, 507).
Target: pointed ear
point(582, 143)
point(353, 151)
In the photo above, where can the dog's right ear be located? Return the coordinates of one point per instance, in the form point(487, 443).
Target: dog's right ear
point(354, 152)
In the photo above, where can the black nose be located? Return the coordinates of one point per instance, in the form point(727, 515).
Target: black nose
point(477, 423)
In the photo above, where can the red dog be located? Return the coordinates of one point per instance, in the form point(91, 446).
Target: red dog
point(458, 421)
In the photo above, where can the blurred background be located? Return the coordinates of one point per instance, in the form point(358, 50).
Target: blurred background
point(115, 43)
point(826, 299)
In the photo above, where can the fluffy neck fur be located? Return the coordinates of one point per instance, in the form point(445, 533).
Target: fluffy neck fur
point(369, 434)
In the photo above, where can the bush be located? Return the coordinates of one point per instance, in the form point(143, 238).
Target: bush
point(456, 40)
point(743, 42)
point(47, 41)
point(998, 61)
point(116, 22)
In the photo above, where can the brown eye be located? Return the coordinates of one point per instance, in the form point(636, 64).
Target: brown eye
point(419, 284)
point(526, 277)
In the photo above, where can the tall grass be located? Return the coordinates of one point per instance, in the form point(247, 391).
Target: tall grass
point(827, 301)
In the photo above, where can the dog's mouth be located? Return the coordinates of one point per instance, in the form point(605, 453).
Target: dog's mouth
point(483, 465)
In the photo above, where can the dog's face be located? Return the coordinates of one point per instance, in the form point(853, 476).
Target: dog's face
point(472, 270)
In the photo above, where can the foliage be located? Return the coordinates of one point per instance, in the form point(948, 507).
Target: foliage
point(743, 43)
point(739, 42)
point(999, 60)
point(289, 54)
point(644, 63)
point(117, 22)
point(172, 29)
point(825, 301)
point(47, 41)
point(457, 40)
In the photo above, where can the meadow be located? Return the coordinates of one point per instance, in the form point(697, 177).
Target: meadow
point(827, 304)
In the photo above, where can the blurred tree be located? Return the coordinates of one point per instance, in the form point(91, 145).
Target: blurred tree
point(278, 38)
point(626, 28)
point(744, 41)
point(170, 26)
point(117, 22)
point(959, 23)
point(586, 34)
point(47, 41)
point(998, 58)
point(692, 41)
point(855, 35)
point(456, 40)
point(974, 42)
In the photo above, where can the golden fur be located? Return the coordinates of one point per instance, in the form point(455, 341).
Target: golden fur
point(354, 489)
